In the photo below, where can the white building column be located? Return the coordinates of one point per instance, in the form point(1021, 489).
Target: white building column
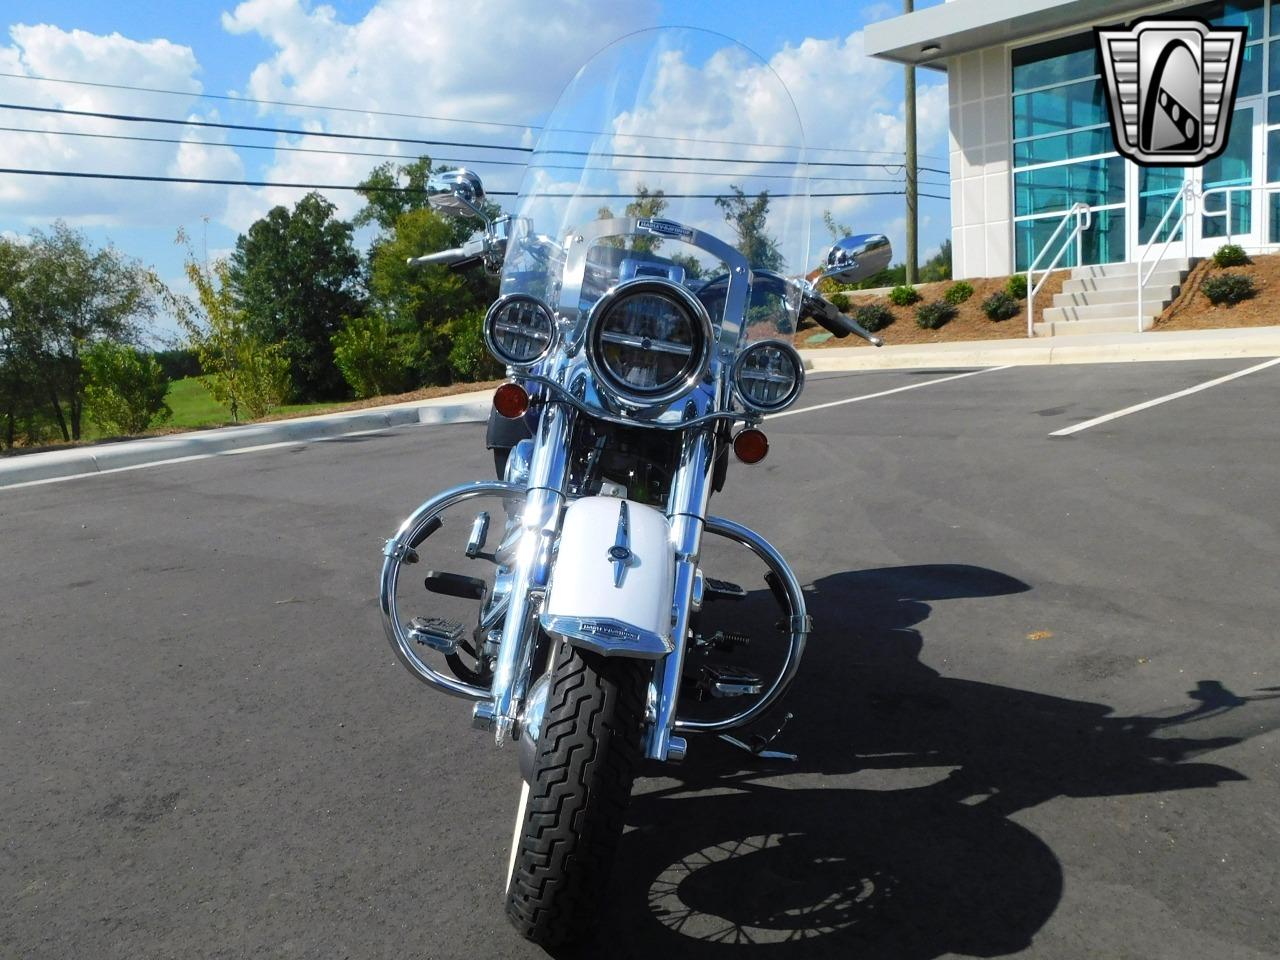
point(981, 190)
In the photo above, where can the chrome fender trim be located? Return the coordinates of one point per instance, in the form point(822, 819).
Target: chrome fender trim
point(799, 621)
point(398, 549)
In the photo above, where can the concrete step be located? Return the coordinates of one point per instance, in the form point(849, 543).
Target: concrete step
point(1105, 311)
point(1129, 269)
point(1161, 278)
point(1093, 298)
point(1067, 328)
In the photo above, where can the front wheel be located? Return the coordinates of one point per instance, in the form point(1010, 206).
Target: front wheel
point(572, 816)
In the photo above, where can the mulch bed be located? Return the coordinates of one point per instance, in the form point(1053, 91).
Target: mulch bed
point(970, 322)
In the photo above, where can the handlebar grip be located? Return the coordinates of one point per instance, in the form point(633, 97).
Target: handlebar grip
point(452, 255)
point(829, 316)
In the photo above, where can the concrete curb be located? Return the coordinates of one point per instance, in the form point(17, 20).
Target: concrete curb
point(54, 464)
point(1090, 348)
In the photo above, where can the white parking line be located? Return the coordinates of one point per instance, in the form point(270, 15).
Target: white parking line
point(1138, 407)
point(280, 445)
point(885, 393)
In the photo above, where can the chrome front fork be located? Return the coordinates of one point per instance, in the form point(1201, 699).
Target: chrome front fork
point(548, 477)
point(686, 513)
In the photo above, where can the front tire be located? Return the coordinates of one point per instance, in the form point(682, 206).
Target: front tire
point(585, 762)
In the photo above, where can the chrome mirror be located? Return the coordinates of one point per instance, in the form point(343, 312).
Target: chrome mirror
point(458, 193)
point(851, 259)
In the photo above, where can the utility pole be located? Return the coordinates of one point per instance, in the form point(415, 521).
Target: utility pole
point(909, 94)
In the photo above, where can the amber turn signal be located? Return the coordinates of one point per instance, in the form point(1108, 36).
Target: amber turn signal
point(751, 446)
point(511, 400)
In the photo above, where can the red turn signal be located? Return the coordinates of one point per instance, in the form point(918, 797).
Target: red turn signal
point(511, 400)
point(751, 446)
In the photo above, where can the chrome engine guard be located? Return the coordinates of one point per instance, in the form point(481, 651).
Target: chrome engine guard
point(415, 529)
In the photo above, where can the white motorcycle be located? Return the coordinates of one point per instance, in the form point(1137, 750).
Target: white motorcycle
point(641, 349)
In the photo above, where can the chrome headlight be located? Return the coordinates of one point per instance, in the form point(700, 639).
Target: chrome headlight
point(519, 329)
point(768, 376)
point(648, 341)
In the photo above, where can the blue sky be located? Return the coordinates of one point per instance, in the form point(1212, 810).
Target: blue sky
point(504, 61)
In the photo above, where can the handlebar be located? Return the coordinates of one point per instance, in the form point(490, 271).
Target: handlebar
point(452, 255)
point(829, 316)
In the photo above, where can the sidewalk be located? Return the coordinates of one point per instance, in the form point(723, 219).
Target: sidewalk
point(1086, 348)
point(97, 458)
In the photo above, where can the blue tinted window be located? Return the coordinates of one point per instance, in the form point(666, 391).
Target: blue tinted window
point(1060, 109)
point(1095, 182)
point(1273, 156)
point(1250, 83)
point(1235, 13)
point(1057, 61)
point(1082, 143)
point(1157, 186)
point(1103, 242)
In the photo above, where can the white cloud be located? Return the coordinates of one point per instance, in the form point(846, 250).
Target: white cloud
point(501, 60)
point(732, 105)
point(414, 57)
point(44, 50)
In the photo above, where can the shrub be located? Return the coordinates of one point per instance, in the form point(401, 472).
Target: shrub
point(1228, 288)
point(1001, 305)
point(469, 357)
point(840, 302)
point(1017, 286)
point(958, 292)
point(934, 315)
point(124, 388)
point(904, 295)
point(257, 380)
point(371, 358)
point(873, 316)
point(1230, 255)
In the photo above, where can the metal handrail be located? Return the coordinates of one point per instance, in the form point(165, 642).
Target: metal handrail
point(1185, 196)
point(1226, 210)
point(1083, 217)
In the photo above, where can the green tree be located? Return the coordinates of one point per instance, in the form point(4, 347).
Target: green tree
point(124, 388)
point(61, 296)
point(373, 359)
point(938, 267)
point(18, 348)
point(749, 218)
point(647, 203)
point(838, 231)
point(296, 275)
point(424, 302)
point(241, 371)
point(392, 190)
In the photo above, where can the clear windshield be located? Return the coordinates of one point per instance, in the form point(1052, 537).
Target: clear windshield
point(676, 125)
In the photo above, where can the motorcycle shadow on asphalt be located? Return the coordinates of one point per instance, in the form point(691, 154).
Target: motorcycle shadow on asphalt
point(742, 857)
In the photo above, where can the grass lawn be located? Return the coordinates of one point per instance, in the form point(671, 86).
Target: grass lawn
point(194, 406)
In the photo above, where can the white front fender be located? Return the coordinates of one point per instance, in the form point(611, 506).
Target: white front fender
point(610, 586)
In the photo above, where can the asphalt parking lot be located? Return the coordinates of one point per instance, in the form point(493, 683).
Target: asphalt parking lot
point(1038, 717)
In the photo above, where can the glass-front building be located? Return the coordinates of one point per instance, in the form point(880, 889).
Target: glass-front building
point(1030, 133)
point(1063, 151)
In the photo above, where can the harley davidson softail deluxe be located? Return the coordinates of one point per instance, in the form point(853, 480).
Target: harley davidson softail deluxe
point(641, 348)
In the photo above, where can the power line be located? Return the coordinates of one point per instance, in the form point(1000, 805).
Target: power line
point(210, 181)
point(270, 103)
point(130, 118)
point(396, 156)
point(411, 116)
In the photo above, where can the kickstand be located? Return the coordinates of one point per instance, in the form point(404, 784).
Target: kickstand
point(756, 743)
